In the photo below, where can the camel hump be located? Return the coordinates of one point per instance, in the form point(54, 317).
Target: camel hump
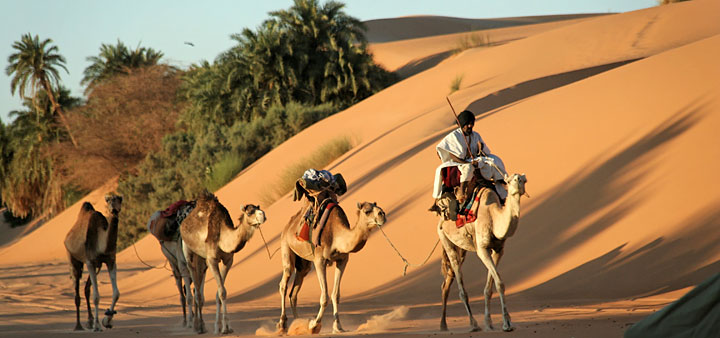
point(206, 196)
point(86, 206)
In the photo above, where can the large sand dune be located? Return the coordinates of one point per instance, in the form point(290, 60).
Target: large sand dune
point(613, 119)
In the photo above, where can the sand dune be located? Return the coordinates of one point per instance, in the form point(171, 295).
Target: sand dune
point(612, 119)
point(413, 27)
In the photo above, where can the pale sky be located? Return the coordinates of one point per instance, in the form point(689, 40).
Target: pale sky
point(79, 27)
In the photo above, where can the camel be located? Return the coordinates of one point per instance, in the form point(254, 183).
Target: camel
point(209, 237)
point(172, 250)
point(337, 241)
point(486, 236)
point(92, 241)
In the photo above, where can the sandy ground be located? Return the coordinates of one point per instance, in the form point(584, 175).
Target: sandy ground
point(614, 121)
point(37, 300)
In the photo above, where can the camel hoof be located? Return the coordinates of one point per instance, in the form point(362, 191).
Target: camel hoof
point(508, 328)
point(475, 329)
point(314, 327)
point(443, 327)
point(107, 322)
point(227, 330)
point(79, 327)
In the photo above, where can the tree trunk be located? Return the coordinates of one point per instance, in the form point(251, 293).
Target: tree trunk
point(57, 108)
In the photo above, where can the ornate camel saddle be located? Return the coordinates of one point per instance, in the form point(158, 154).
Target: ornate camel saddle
point(165, 224)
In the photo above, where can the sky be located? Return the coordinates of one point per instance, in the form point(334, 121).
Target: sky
point(79, 27)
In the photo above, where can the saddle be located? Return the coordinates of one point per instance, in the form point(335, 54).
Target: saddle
point(449, 207)
point(166, 225)
point(314, 221)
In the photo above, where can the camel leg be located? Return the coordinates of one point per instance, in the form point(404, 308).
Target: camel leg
point(488, 291)
point(76, 274)
point(302, 267)
point(96, 296)
point(484, 255)
point(339, 269)
point(220, 272)
point(449, 275)
point(197, 274)
point(314, 324)
point(91, 319)
point(174, 264)
point(88, 285)
point(455, 263)
point(287, 269)
point(184, 271)
point(112, 272)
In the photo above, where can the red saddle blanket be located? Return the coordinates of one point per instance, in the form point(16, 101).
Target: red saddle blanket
point(173, 208)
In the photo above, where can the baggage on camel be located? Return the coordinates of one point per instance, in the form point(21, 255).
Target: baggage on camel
point(320, 188)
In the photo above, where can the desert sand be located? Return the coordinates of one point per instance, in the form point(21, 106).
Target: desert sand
point(613, 120)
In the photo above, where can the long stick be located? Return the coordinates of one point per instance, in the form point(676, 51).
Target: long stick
point(459, 126)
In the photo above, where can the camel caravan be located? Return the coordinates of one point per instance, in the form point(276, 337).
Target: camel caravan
point(477, 202)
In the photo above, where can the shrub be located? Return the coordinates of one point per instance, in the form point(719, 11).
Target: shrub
point(471, 40)
point(455, 84)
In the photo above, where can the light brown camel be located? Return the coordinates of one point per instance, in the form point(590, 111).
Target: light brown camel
point(486, 236)
point(92, 241)
point(209, 237)
point(337, 241)
point(172, 250)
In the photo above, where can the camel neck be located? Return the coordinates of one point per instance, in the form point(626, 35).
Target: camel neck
point(113, 221)
point(233, 240)
point(510, 215)
point(357, 235)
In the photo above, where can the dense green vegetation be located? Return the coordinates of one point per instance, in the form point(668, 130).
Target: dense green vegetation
point(188, 129)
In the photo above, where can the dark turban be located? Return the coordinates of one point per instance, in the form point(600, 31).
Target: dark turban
point(466, 117)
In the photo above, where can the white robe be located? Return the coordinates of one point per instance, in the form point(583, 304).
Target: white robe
point(491, 166)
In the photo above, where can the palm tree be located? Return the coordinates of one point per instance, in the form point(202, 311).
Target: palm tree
point(114, 60)
point(330, 53)
point(35, 65)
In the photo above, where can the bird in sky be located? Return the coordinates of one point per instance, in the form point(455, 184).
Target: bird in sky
point(189, 43)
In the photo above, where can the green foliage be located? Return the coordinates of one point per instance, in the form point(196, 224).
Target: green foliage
point(223, 171)
point(189, 162)
point(310, 54)
point(72, 193)
point(455, 84)
point(471, 40)
point(320, 158)
point(29, 184)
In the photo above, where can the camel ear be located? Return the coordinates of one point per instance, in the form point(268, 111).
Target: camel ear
point(359, 205)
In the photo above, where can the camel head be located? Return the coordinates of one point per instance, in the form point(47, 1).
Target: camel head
point(516, 184)
point(373, 214)
point(253, 214)
point(114, 203)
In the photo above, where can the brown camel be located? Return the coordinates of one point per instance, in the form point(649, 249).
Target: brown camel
point(92, 241)
point(172, 249)
point(209, 237)
point(486, 236)
point(337, 241)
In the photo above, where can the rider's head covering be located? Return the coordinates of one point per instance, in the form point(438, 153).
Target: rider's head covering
point(466, 117)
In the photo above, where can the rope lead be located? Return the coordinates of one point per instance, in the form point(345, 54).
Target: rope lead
point(408, 264)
